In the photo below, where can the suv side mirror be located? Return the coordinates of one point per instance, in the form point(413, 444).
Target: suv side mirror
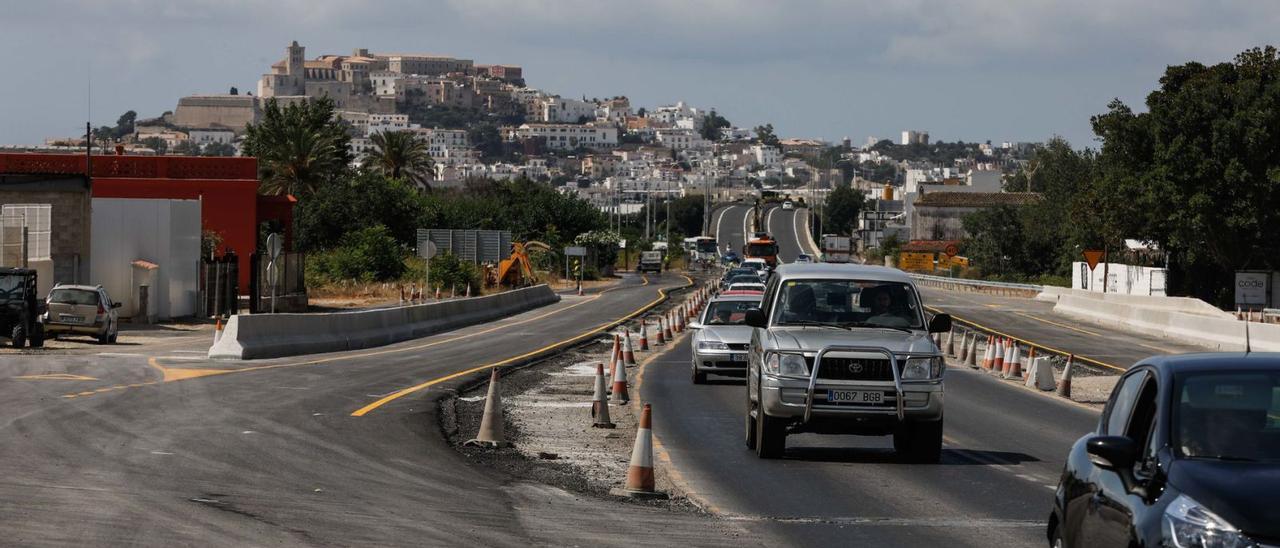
point(941, 323)
point(694, 325)
point(754, 318)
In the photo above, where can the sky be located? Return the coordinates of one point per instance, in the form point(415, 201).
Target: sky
point(976, 70)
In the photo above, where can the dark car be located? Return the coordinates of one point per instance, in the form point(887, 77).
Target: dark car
point(735, 272)
point(1186, 453)
point(730, 257)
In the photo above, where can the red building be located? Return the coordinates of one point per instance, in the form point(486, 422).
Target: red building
point(226, 187)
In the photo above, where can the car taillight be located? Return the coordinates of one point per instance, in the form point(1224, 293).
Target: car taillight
point(101, 309)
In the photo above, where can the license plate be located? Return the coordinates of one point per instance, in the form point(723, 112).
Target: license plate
point(854, 396)
point(70, 319)
point(737, 357)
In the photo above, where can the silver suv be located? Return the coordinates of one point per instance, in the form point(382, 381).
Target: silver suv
point(844, 349)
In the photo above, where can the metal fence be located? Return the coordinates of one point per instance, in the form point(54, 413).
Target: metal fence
point(477, 246)
point(962, 284)
point(219, 286)
point(292, 271)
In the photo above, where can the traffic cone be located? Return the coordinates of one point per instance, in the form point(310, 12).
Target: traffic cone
point(951, 343)
point(453, 291)
point(615, 354)
point(964, 348)
point(997, 365)
point(1010, 348)
point(989, 355)
point(600, 402)
point(628, 353)
point(491, 426)
point(217, 330)
point(666, 327)
point(468, 295)
point(658, 337)
point(619, 392)
point(402, 294)
point(437, 292)
point(644, 336)
point(640, 472)
point(1064, 386)
point(1015, 368)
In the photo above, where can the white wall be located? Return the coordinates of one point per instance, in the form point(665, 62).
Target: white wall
point(1122, 278)
point(165, 232)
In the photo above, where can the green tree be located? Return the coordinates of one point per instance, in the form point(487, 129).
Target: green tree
point(995, 243)
point(219, 149)
point(712, 123)
point(1199, 172)
point(486, 139)
point(765, 135)
point(300, 147)
point(157, 144)
point(400, 155)
point(187, 148)
point(841, 210)
point(369, 254)
point(355, 202)
point(124, 124)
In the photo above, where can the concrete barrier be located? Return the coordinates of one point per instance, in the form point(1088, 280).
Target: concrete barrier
point(274, 335)
point(1176, 318)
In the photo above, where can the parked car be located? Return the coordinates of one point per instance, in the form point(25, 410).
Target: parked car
point(82, 310)
point(721, 338)
point(20, 310)
point(1186, 453)
point(844, 349)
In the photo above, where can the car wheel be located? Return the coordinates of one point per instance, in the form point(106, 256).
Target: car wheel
point(1056, 539)
point(104, 338)
point(750, 436)
point(919, 442)
point(698, 376)
point(37, 337)
point(19, 336)
point(771, 435)
point(114, 337)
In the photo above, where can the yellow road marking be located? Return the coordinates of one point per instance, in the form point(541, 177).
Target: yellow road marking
point(179, 374)
point(56, 377)
point(1027, 342)
point(1062, 325)
point(662, 295)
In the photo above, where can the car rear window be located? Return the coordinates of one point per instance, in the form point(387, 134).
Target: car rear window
point(73, 296)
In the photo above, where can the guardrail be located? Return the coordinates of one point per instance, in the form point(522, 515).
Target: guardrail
point(984, 286)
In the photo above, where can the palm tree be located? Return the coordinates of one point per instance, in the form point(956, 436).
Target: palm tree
point(299, 147)
point(400, 154)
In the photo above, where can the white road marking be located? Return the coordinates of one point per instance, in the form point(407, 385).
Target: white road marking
point(120, 355)
point(161, 453)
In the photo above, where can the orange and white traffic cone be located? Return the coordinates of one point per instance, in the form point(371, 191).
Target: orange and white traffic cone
point(972, 359)
point(640, 472)
point(989, 355)
point(1064, 386)
point(615, 354)
point(659, 336)
point(437, 292)
point(217, 330)
point(1010, 348)
point(997, 366)
point(619, 392)
point(964, 348)
point(644, 336)
point(600, 403)
point(628, 353)
point(1015, 366)
point(951, 343)
point(666, 327)
point(491, 425)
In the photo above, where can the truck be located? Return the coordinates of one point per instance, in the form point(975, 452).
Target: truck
point(836, 248)
point(650, 261)
point(762, 246)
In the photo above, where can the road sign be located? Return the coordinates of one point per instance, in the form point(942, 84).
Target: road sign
point(952, 250)
point(1092, 256)
point(428, 249)
point(1251, 288)
point(915, 261)
point(575, 251)
point(273, 273)
point(275, 244)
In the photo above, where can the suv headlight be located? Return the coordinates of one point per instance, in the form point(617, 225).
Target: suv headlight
point(785, 364)
point(712, 345)
point(915, 369)
point(1187, 524)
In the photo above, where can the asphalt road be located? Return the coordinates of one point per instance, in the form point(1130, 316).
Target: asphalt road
point(1033, 320)
point(789, 227)
point(1004, 448)
point(732, 226)
point(103, 451)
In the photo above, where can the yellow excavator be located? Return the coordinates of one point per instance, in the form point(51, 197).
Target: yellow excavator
point(517, 270)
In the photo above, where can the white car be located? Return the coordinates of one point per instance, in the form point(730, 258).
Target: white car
point(788, 205)
point(746, 286)
point(761, 267)
point(721, 339)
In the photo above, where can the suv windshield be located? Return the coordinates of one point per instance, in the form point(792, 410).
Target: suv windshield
point(729, 312)
point(73, 296)
point(1228, 416)
point(853, 303)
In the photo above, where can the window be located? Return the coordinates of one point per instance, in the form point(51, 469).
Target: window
point(1227, 415)
point(1122, 402)
point(852, 303)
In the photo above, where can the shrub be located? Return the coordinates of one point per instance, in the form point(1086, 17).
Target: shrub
point(370, 254)
point(447, 270)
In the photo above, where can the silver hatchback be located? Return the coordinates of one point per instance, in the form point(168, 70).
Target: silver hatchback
point(81, 310)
